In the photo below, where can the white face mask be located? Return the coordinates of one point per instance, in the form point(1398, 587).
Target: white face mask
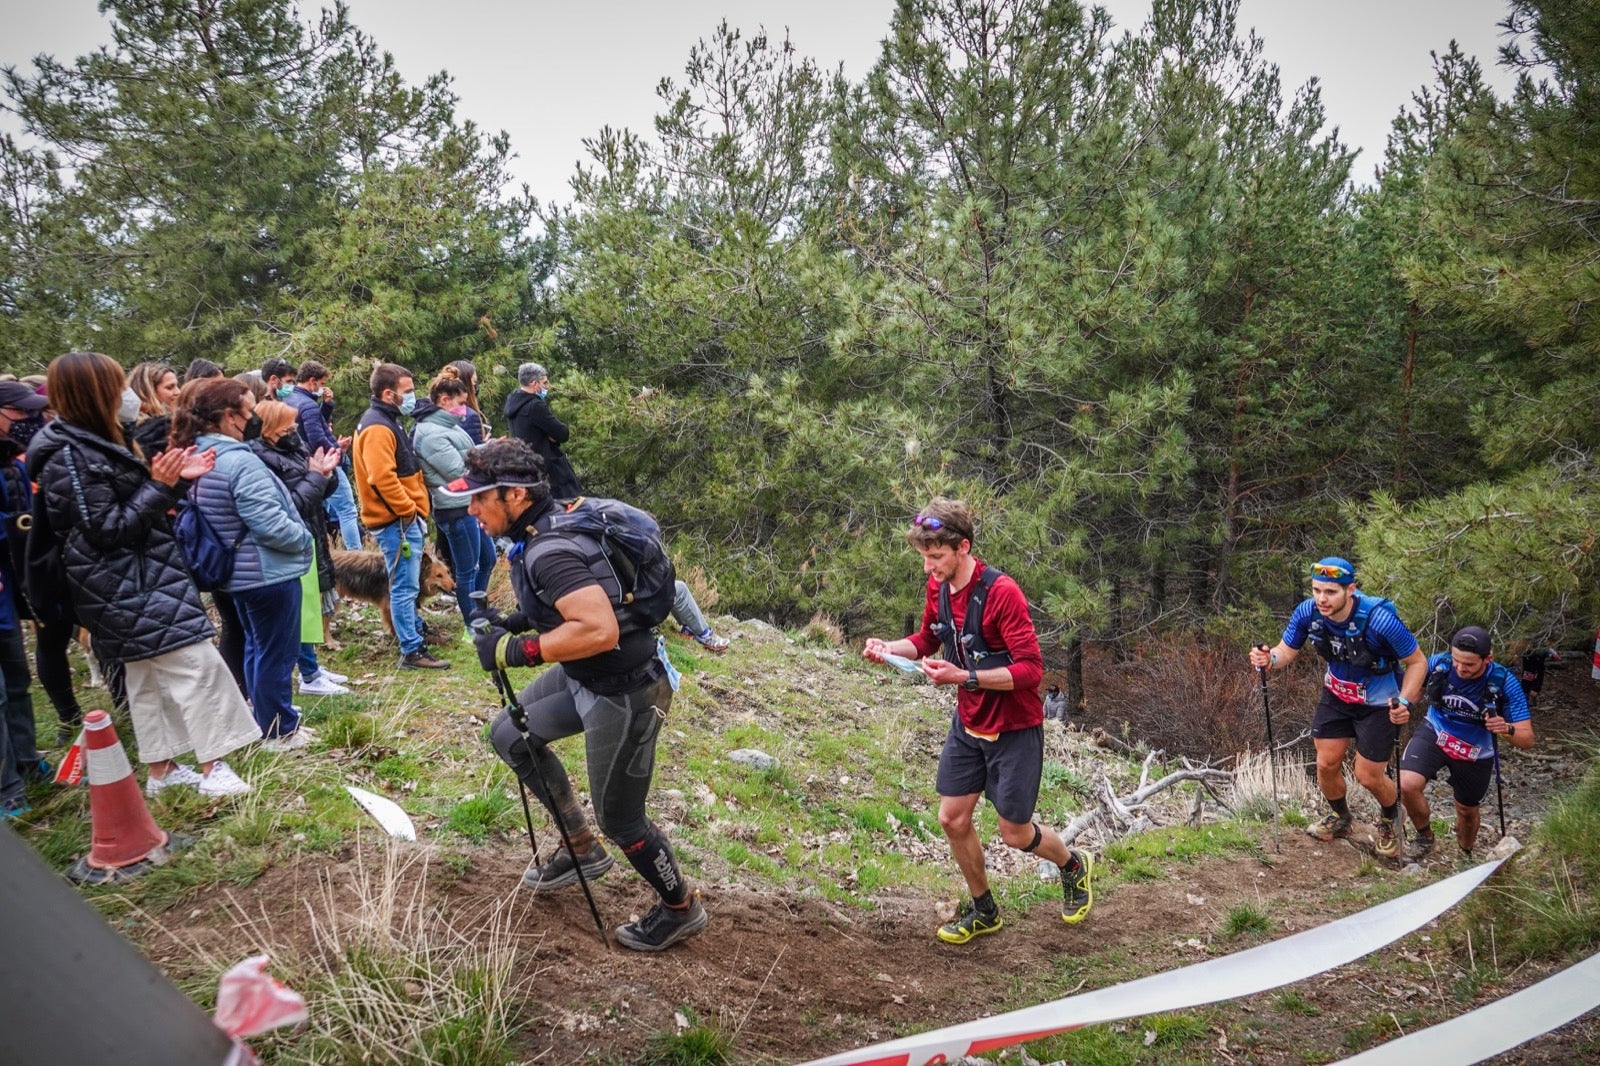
point(129, 411)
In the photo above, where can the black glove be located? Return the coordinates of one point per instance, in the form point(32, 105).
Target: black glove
point(486, 639)
point(515, 622)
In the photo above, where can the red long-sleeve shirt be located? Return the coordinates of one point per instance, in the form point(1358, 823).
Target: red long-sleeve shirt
point(1008, 627)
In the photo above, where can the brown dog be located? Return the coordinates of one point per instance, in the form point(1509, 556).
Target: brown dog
point(364, 576)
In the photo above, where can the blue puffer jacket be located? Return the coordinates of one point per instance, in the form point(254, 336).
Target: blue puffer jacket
point(241, 491)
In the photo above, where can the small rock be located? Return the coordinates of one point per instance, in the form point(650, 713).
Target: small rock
point(756, 760)
point(1411, 870)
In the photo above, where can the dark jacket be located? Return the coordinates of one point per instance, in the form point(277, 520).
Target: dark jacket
point(529, 418)
point(313, 417)
point(307, 489)
point(151, 435)
point(126, 577)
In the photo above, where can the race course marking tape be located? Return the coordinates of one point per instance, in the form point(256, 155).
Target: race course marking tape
point(1281, 962)
point(1500, 1026)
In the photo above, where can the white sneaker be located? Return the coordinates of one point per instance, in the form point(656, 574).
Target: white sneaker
point(322, 683)
point(222, 781)
point(337, 679)
point(289, 742)
point(178, 775)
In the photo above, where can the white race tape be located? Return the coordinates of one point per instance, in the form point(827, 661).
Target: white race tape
point(107, 766)
point(1281, 962)
point(1500, 1026)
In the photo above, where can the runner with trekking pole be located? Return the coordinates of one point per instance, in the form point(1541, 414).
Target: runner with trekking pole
point(1366, 648)
point(1471, 702)
point(593, 580)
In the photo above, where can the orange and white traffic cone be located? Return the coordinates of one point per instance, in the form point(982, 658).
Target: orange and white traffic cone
point(127, 841)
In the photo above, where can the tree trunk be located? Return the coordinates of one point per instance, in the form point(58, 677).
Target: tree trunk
point(1075, 696)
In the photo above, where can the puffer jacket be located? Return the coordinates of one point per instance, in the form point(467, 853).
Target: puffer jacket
point(441, 446)
point(126, 577)
point(307, 489)
point(241, 493)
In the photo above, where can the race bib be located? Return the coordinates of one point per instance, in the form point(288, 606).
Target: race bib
point(1458, 749)
point(1348, 691)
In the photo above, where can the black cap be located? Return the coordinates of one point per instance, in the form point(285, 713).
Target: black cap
point(16, 394)
point(1473, 639)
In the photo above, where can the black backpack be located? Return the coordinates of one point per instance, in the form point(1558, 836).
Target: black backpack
point(210, 558)
point(625, 552)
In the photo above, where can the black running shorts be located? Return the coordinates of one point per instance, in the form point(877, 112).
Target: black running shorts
point(1469, 780)
point(1370, 726)
point(1006, 769)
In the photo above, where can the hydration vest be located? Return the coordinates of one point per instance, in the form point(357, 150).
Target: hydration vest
point(1351, 634)
point(968, 651)
point(1438, 680)
point(621, 545)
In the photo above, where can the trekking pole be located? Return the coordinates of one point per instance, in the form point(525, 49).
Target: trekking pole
point(1499, 793)
point(519, 719)
point(1272, 756)
point(1399, 804)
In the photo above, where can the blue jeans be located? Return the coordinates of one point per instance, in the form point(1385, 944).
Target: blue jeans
point(405, 578)
point(270, 617)
point(307, 661)
point(341, 508)
point(472, 556)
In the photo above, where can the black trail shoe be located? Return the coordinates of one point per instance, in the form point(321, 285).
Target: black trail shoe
point(663, 926)
point(1077, 888)
point(1421, 845)
point(561, 871)
point(972, 922)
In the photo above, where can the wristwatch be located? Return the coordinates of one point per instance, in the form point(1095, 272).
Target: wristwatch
point(971, 683)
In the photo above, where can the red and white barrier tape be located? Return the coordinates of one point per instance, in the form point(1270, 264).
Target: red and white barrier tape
point(1500, 1026)
point(1282, 962)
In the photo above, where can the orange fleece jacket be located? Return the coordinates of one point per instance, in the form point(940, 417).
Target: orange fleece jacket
point(377, 483)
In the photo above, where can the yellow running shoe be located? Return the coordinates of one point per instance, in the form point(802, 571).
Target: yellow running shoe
point(972, 922)
point(1077, 888)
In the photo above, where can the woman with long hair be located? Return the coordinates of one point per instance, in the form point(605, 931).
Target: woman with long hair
point(127, 579)
point(310, 480)
point(156, 385)
point(247, 506)
point(472, 420)
point(441, 446)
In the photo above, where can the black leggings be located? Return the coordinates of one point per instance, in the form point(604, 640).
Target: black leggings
point(230, 638)
point(619, 736)
point(55, 672)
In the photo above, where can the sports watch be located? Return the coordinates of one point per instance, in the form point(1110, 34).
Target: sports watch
point(971, 683)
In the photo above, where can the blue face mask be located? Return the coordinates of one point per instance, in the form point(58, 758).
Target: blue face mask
point(285, 391)
point(408, 403)
point(544, 392)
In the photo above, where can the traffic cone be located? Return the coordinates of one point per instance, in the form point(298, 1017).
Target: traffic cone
point(127, 841)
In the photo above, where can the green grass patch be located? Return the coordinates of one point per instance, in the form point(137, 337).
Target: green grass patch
point(1291, 1002)
point(1245, 919)
point(477, 816)
point(698, 1045)
point(1182, 843)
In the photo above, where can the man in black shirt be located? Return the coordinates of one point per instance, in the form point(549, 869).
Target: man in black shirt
point(609, 680)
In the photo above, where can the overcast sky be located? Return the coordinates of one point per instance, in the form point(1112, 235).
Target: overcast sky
point(551, 74)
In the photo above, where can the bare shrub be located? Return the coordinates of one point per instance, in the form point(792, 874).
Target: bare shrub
point(1198, 697)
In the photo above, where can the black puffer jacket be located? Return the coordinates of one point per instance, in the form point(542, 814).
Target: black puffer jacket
point(307, 489)
point(125, 573)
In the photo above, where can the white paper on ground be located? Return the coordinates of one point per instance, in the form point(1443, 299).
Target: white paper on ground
point(388, 814)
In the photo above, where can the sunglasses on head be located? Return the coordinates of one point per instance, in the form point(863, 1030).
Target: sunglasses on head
point(927, 522)
point(1322, 570)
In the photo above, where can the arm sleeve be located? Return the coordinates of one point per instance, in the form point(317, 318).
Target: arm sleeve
point(113, 524)
point(314, 426)
point(1387, 627)
point(547, 422)
point(1299, 625)
point(1516, 700)
point(1006, 616)
point(265, 511)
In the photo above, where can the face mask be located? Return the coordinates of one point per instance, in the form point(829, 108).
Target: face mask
point(285, 391)
point(129, 411)
point(459, 412)
point(252, 426)
point(544, 392)
point(408, 403)
point(23, 429)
